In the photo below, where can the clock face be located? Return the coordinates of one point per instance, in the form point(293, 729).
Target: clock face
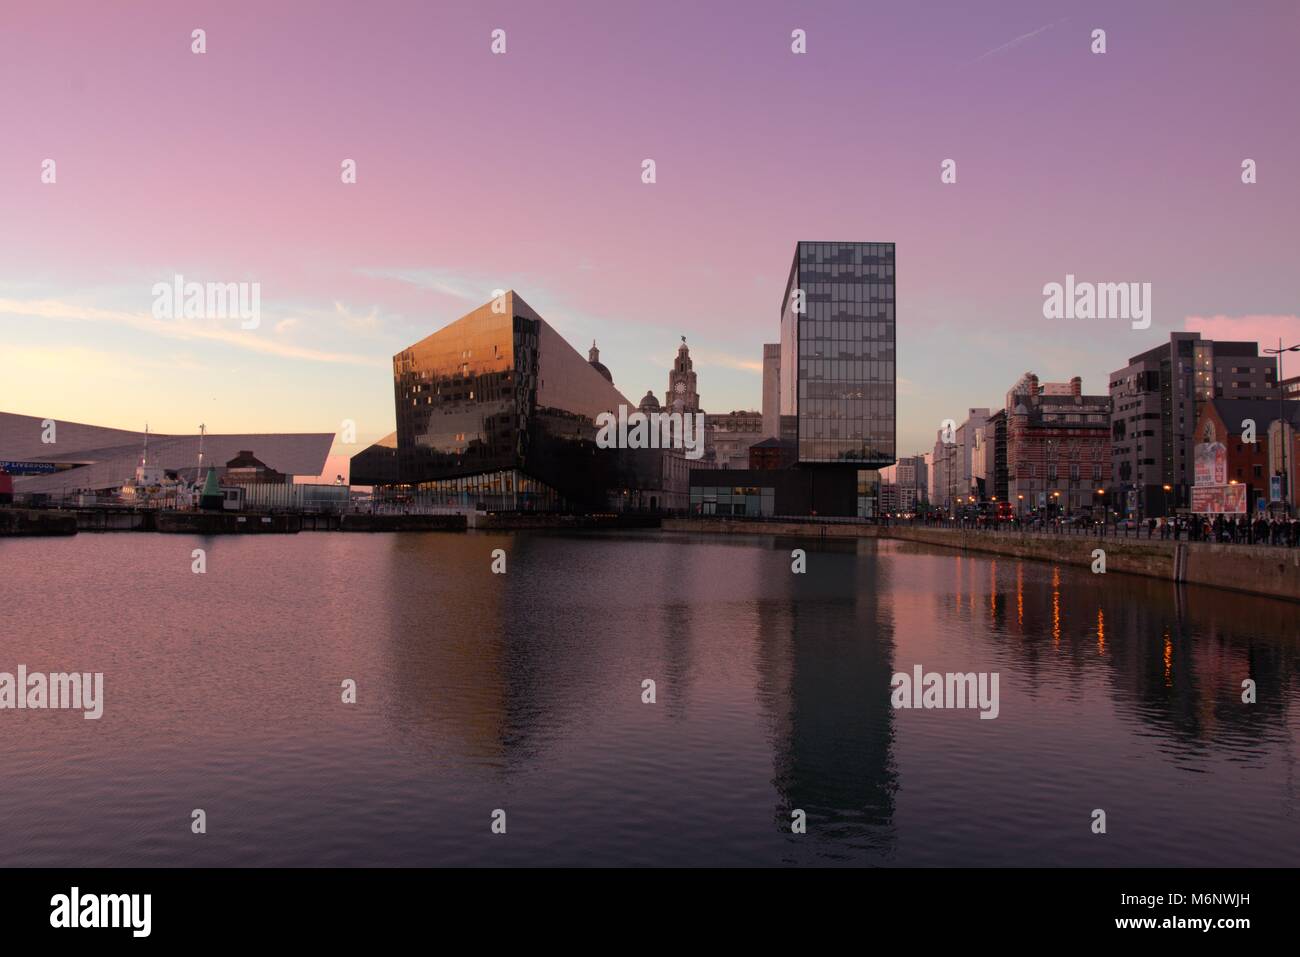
point(680, 387)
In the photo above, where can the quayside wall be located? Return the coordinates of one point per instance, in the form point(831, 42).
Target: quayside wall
point(1257, 569)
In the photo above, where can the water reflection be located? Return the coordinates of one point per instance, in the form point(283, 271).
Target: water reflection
point(525, 690)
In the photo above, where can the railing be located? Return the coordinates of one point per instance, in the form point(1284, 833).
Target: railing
point(1281, 534)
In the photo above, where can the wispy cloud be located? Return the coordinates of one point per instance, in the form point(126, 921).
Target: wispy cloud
point(187, 330)
point(1264, 329)
point(1012, 44)
point(476, 289)
point(366, 325)
point(705, 357)
point(79, 360)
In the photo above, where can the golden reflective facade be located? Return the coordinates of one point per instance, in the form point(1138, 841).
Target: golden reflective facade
point(497, 410)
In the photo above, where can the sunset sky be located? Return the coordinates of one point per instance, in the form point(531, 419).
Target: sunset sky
point(477, 171)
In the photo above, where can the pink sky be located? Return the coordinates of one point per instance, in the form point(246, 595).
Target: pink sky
point(478, 171)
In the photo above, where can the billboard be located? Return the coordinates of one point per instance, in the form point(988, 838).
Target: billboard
point(1219, 499)
point(1211, 463)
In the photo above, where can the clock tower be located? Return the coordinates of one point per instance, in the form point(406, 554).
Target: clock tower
point(681, 395)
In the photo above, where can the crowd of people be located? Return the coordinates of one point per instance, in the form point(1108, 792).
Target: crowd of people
point(1279, 531)
point(1238, 530)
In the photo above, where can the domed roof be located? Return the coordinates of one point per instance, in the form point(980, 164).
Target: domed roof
point(649, 402)
point(593, 357)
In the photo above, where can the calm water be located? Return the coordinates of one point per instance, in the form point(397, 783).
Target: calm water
point(523, 692)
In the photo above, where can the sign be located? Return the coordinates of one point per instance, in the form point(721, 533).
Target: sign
point(29, 468)
point(1219, 499)
point(1211, 463)
point(1275, 488)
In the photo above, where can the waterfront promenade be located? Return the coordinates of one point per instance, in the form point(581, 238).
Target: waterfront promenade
point(1256, 569)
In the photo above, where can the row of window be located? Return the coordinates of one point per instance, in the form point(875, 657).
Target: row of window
point(845, 450)
point(1031, 470)
point(840, 272)
point(848, 292)
point(844, 370)
point(845, 330)
point(846, 253)
point(835, 406)
point(856, 311)
point(723, 500)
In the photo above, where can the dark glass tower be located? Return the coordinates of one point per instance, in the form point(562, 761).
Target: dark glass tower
point(497, 409)
point(837, 355)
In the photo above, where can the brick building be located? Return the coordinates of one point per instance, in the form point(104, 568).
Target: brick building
point(1058, 445)
point(1253, 463)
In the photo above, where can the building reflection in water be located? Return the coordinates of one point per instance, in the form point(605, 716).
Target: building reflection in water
point(1175, 657)
point(538, 672)
point(826, 660)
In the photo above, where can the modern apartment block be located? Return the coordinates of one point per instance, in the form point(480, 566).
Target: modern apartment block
point(945, 469)
point(970, 440)
point(911, 477)
point(1157, 399)
point(958, 457)
point(995, 456)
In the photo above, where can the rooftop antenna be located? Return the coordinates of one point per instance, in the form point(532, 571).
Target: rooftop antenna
point(144, 459)
point(199, 474)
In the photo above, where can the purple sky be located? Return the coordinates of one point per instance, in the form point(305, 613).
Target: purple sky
point(478, 171)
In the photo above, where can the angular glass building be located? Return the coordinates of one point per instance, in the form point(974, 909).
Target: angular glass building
point(837, 355)
point(497, 410)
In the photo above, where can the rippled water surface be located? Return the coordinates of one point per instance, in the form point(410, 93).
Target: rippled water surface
point(523, 692)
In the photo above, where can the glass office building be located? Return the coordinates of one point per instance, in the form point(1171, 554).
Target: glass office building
point(497, 410)
point(837, 354)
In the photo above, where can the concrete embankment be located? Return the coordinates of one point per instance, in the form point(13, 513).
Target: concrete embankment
point(23, 521)
point(226, 523)
point(1257, 569)
point(116, 520)
point(731, 526)
point(361, 522)
point(518, 521)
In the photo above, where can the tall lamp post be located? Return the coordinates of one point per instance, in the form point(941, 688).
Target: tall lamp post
point(1281, 417)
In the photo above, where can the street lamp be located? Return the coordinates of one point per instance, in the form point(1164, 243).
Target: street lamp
point(1281, 416)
